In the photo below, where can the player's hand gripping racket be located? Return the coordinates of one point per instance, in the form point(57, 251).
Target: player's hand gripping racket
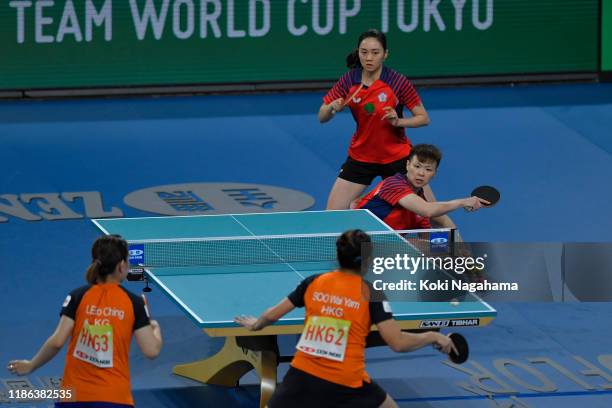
point(463, 351)
point(488, 193)
point(461, 344)
point(346, 101)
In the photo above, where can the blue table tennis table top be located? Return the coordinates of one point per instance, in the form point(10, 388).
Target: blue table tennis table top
point(213, 297)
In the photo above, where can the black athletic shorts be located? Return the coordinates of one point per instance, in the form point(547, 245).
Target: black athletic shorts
point(300, 389)
point(363, 173)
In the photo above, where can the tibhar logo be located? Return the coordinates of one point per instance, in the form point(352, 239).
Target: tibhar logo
point(465, 322)
point(175, 199)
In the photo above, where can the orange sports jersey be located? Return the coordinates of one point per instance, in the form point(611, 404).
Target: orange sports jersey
point(339, 315)
point(383, 202)
point(97, 361)
point(376, 140)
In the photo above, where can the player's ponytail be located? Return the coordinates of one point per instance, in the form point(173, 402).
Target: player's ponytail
point(93, 273)
point(352, 60)
point(349, 249)
point(106, 253)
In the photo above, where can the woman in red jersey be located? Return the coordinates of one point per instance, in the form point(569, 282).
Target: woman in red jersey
point(328, 369)
point(376, 96)
point(99, 319)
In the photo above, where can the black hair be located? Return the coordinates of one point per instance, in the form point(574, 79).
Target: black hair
point(426, 152)
point(348, 249)
point(352, 60)
point(106, 253)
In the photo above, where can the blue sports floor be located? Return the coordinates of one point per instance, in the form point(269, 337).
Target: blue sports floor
point(548, 148)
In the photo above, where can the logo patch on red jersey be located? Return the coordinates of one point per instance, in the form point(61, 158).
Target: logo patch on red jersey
point(382, 97)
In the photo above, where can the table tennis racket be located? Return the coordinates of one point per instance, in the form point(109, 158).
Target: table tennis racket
point(461, 345)
point(489, 193)
point(463, 351)
point(146, 305)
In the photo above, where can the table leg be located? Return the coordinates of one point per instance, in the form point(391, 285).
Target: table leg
point(231, 363)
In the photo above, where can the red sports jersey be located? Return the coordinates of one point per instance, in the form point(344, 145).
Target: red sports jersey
point(375, 140)
point(383, 202)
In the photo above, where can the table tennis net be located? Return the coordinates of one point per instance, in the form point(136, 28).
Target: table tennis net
point(272, 249)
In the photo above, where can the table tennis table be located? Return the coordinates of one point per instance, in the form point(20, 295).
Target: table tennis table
point(212, 295)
